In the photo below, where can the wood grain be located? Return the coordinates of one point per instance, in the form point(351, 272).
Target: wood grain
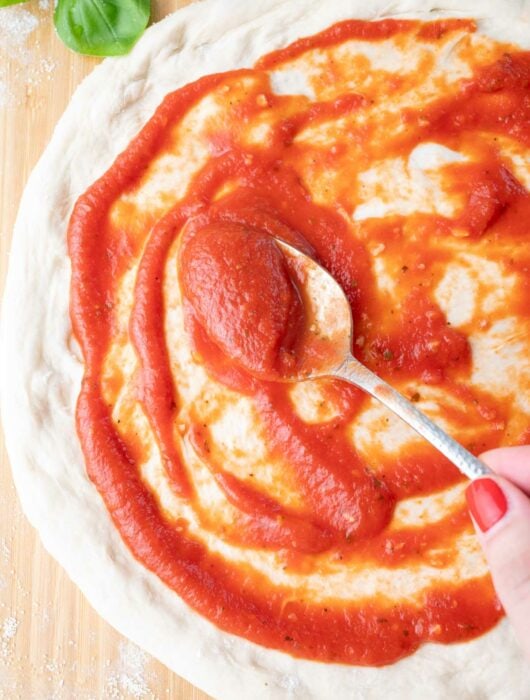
point(52, 644)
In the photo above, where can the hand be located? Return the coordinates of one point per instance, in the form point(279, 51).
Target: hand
point(500, 507)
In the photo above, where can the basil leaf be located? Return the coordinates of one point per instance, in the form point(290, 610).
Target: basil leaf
point(101, 27)
point(5, 3)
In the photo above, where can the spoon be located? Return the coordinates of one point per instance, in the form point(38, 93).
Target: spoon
point(325, 351)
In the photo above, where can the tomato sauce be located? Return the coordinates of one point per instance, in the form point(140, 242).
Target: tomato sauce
point(237, 282)
point(227, 255)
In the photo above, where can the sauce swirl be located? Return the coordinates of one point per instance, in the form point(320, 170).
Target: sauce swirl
point(318, 507)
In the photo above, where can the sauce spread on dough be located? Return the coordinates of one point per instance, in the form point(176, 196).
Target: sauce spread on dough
point(302, 168)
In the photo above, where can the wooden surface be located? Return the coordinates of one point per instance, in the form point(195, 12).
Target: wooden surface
point(53, 646)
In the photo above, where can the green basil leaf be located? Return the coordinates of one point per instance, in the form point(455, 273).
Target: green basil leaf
point(101, 27)
point(5, 3)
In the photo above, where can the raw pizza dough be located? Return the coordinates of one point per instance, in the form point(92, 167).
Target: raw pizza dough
point(42, 369)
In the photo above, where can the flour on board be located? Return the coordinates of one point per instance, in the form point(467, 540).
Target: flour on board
point(9, 630)
point(20, 68)
point(130, 675)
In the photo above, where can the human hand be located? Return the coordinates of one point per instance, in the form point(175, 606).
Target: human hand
point(500, 507)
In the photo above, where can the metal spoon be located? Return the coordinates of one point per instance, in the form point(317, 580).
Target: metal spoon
point(326, 351)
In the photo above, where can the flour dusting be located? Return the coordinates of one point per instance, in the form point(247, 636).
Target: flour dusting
point(16, 25)
point(4, 550)
point(9, 630)
point(56, 672)
point(130, 677)
point(20, 69)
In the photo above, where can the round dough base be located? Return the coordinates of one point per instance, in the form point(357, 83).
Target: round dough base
point(41, 367)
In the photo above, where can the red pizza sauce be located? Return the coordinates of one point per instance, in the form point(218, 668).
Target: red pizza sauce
point(238, 284)
point(242, 197)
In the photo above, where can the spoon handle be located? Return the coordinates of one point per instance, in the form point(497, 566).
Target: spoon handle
point(353, 371)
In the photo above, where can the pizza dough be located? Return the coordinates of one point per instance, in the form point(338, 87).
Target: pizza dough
point(41, 375)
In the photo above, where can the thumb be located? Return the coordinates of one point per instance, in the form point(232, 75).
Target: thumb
point(501, 513)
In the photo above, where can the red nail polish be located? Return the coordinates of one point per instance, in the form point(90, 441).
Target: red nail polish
point(486, 502)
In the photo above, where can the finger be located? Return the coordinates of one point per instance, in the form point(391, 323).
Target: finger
point(511, 462)
point(501, 513)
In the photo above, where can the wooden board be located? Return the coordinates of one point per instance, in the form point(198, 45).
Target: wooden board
point(52, 644)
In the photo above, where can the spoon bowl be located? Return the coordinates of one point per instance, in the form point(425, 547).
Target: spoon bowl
point(325, 351)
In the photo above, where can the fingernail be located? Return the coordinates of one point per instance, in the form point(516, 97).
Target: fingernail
point(486, 502)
